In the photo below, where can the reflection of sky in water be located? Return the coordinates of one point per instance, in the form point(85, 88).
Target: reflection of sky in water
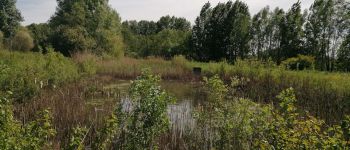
point(181, 118)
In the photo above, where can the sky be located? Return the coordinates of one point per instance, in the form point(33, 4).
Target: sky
point(39, 11)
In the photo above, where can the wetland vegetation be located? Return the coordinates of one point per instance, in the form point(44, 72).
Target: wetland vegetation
point(86, 80)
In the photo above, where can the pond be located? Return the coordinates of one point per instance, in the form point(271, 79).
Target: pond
point(188, 95)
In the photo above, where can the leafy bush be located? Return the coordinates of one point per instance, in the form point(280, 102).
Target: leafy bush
point(22, 41)
point(148, 117)
point(299, 63)
point(77, 139)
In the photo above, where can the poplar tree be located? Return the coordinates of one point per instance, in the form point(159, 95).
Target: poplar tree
point(292, 32)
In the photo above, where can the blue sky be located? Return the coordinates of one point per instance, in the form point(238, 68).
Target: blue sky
point(38, 11)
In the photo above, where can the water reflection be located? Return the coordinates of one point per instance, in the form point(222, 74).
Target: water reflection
point(181, 118)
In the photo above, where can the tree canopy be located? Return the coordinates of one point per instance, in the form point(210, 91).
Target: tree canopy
point(86, 25)
point(10, 17)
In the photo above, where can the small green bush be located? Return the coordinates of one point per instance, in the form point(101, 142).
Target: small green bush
point(77, 139)
point(301, 62)
point(148, 118)
point(22, 41)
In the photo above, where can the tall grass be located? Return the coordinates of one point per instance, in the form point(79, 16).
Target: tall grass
point(130, 68)
point(84, 103)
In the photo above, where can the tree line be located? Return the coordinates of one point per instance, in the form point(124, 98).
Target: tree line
point(226, 31)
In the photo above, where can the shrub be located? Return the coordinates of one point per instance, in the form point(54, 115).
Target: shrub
point(22, 41)
point(148, 118)
point(77, 139)
point(301, 62)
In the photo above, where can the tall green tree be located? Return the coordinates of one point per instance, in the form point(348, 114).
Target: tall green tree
point(344, 55)
point(260, 32)
point(292, 32)
point(239, 21)
point(218, 33)
point(86, 25)
point(318, 29)
point(325, 30)
point(222, 32)
point(275, 32)
point(199, 33)
point(10, 17)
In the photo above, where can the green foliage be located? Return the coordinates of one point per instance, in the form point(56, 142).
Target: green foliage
point(226, 122)
point(91, 26)
point(344, 55)
point(25, 74)
point(168, 37)
point(173, 23)
point(292, 130)
point(15, 136)
point(22, 41)
point(222, 32)
point(168, 43)
point(148, 118)
point(345, 125)
point(299, 63)
point(327, 26)
point(77, 139)
point(41, 34)
point(107, 134)
point(10, 17)
point(292, 32)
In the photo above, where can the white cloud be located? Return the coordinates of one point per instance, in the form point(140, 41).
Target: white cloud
point(37, 11)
